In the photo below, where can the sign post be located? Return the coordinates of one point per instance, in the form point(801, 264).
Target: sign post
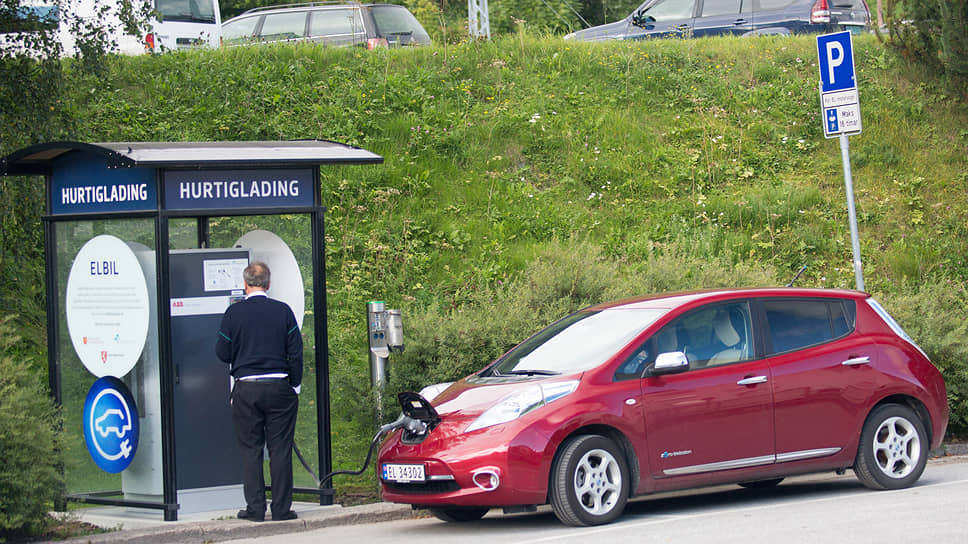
point(840, 108)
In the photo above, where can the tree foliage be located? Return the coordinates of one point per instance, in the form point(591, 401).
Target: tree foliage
point(30, 477)
point(933, 33)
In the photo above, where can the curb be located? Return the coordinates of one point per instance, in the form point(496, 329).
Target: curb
point(231, 529)
point(949, 450)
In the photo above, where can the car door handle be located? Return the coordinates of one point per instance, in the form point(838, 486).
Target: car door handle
point(739, 22)
point(854, 361)
point(752, 381)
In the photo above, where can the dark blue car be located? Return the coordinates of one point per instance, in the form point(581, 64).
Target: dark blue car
point(693, 18)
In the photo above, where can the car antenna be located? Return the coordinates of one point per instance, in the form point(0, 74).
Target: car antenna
point(795, 278)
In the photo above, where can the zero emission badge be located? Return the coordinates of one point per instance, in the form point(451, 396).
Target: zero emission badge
point(111, 424)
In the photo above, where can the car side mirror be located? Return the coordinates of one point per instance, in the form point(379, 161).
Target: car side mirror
point(640, 19)
point(672, 362)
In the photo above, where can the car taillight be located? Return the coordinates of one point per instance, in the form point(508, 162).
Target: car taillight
point(820, 12)
point(149, 43)
point(373, 43)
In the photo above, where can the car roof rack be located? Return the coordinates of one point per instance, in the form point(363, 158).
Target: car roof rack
point(303, 5)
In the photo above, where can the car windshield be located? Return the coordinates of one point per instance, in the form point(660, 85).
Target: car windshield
point(202, 11)
point(576, 343)
point(397, 21)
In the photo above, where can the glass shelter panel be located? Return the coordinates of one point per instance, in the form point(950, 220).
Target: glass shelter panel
point(107, 315)
point(284, 242)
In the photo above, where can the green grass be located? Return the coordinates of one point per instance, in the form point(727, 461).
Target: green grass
point(672, 162)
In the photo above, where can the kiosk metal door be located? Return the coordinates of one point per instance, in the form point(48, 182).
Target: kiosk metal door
point(203, 282)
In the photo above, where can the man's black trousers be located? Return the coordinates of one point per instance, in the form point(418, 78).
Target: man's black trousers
point(264, 414)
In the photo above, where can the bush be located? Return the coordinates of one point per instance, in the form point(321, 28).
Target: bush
point(936, 317)
point(30, 446)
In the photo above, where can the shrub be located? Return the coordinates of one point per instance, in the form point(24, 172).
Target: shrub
point(936, 317)
point(30, 477)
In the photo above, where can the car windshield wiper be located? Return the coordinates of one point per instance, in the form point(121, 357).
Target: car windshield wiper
point(531, 372)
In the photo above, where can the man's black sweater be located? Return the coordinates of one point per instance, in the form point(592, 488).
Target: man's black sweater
point(260, 335)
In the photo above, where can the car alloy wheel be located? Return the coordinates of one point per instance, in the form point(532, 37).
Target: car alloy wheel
point(893, 448)
point(590, 481)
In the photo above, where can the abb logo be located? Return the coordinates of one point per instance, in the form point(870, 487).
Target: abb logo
point(178, 304)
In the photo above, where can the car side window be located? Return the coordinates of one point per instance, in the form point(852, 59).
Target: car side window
point(797, 324)
point(672, 10)
point(284, 26)
point(711, 8)
point(239, 30)
point(334, 22)
point(715, 335)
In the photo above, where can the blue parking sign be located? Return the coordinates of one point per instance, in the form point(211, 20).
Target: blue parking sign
point(836, 55)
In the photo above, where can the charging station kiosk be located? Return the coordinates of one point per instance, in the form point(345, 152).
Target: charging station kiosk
point(135, 295)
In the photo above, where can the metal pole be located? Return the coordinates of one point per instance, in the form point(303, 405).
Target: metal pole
point(324, 439)
point(852, 213)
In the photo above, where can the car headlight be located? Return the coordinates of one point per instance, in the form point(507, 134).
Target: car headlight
point(521, 402)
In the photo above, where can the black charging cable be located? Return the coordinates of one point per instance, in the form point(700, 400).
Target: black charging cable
point(413, 425)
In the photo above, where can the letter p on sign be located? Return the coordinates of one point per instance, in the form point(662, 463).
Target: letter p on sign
point(836, 56)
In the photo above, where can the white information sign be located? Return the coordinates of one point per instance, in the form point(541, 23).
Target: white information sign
point(107, 307)
point(224, 274)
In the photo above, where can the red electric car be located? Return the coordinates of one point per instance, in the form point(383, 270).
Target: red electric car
point(670, 392)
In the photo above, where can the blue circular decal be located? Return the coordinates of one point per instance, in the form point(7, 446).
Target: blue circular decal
point(111, 424)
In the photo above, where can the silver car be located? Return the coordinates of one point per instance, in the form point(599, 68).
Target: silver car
point(334, 24)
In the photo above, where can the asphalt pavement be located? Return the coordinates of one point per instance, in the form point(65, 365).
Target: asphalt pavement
point(136, 525)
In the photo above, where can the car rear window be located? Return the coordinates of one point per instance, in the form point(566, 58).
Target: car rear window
point(397, 21)
point(800, 323)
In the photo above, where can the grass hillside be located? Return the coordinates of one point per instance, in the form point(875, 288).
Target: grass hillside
point(527, 176)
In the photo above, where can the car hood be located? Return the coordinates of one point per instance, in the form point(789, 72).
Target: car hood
point(472, 396)
point(611, 31)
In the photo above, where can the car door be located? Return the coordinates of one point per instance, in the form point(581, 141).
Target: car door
point(662, 18)
point(717, 415)
point(721, 17)
point(823, 374)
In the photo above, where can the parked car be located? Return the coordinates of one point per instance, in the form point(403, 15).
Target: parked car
point(327, 23)
point(666, 18)
point(173, 25)
point(670, 392)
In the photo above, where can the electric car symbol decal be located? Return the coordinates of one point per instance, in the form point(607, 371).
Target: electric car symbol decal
point(111, 424)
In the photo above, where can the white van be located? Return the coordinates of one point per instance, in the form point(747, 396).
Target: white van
point(172, 25)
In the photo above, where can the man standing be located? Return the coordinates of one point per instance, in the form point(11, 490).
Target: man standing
point(261, 342)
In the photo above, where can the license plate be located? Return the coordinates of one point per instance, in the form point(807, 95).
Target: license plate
point(403, 473)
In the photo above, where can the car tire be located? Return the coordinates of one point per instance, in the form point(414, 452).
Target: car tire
point(762, 484)
point(459, 513)
point(589, 481)
point(893, 448)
